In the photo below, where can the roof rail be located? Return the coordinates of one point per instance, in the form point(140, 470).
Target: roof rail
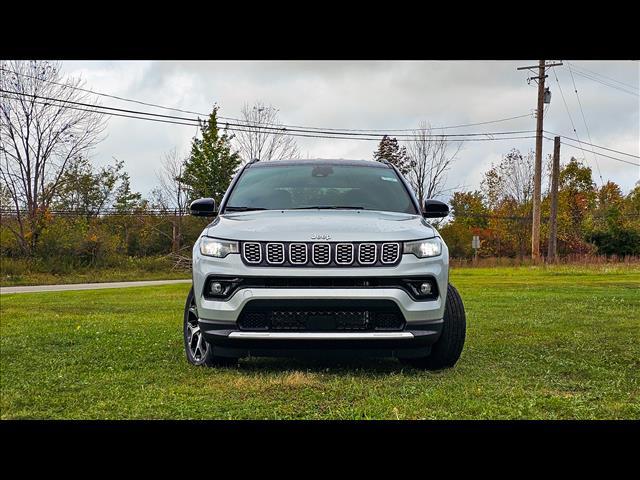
point(253, 161)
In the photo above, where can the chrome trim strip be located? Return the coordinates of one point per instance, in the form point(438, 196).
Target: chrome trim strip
point(244, 252)
point(313, 254)
point(266, 249)
point(322, 335)
point(375, 254)
point(352, 253)
point(306, 253)
point(382, 252)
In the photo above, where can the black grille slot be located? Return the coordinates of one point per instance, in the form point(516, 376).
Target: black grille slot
point(252, 252)
point(298, 253)
point(275, 253)
point(367, 253)
point(321, 253)
point(321, 316)
point(344, 253)
point(390, 252)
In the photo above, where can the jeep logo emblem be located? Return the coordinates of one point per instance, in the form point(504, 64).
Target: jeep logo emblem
point(320, 236)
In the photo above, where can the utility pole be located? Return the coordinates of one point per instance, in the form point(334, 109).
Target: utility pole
point(537, 179)
point(553, 219)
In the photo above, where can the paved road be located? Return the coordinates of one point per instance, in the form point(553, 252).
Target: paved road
point(87, 286)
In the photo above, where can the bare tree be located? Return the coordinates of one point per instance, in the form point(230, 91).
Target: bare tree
point(171, 193)
point(41, 133)
point(264, 137)
point(430, 158)
point(512, 179)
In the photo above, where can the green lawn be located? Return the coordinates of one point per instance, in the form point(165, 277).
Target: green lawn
point(550, 343)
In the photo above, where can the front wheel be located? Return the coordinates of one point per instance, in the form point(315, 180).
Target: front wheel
point(446, 351)
point(198, 350)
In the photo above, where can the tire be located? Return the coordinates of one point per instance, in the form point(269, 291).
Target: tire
point(446, 351)
point(198, 350)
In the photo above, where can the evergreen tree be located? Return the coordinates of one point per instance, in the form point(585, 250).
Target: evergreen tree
point(390, 150)
point(211, 164)
point(125, 199)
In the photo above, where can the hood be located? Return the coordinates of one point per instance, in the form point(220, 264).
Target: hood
point(308, 225)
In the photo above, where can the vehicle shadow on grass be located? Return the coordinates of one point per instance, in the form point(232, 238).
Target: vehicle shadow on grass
point(373, 366)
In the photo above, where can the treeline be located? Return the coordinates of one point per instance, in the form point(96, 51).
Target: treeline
point(592, 219)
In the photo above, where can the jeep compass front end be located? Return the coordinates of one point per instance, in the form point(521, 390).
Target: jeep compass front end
point(321, 256)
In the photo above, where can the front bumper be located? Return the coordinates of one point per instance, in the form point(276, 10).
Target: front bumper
point(414, 341)
point(218, 318)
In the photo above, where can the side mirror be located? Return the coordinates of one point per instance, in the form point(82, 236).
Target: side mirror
point(203, 207)
point(435, 209)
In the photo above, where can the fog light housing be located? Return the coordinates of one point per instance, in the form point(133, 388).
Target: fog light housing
point(221, 287)
point(422, 288)
point(216, 288)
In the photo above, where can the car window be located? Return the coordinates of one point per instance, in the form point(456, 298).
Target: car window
point(321, 185)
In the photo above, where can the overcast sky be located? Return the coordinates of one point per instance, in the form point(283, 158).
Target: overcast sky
point(372, 95)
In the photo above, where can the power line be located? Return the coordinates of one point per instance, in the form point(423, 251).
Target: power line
point(601, 154)
point(606, 83)
point(94, 108)
point(594, 145)
point(100, 93)
point(568, 113)
point(239, 127)
point(575, 89)
point(248, 123)
point(599, 77)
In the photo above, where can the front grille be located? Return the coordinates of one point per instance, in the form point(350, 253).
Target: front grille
point(344, 253)
point(275, 253)
point(390, 252)
point(298, 253)
point(321, 254)
point(319, 318)
point(252, 252)
point(367, 253)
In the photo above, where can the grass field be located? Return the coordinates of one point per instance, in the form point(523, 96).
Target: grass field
point(542, 343)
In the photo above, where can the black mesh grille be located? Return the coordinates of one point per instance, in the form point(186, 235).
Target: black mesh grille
point(367, 253)
point(321, 253)
point(321, 320)
point(390, 252)
point(275, 253)
point(252, 252)
point(254, 321)
point(298, 253)
point(344, 253)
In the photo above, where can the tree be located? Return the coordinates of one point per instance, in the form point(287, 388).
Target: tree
point(127, 200)
point(171, 194)
point(264, 137)
point(211, 165)
point(576, 198)
point(85, 190)
point(39, 138)
point(511, 178)
point(390, 150)
point(429, 159)
point(508, 189)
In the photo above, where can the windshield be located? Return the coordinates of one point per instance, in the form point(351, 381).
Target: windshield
point(320, 185)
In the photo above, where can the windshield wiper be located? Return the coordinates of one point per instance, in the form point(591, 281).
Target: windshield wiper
point(330, 207)
point(243, 209)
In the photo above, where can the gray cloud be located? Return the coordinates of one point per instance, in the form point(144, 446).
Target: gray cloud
point(364, 94)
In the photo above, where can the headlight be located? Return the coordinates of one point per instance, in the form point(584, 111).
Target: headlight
point(424, 248)
point(214, 247)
